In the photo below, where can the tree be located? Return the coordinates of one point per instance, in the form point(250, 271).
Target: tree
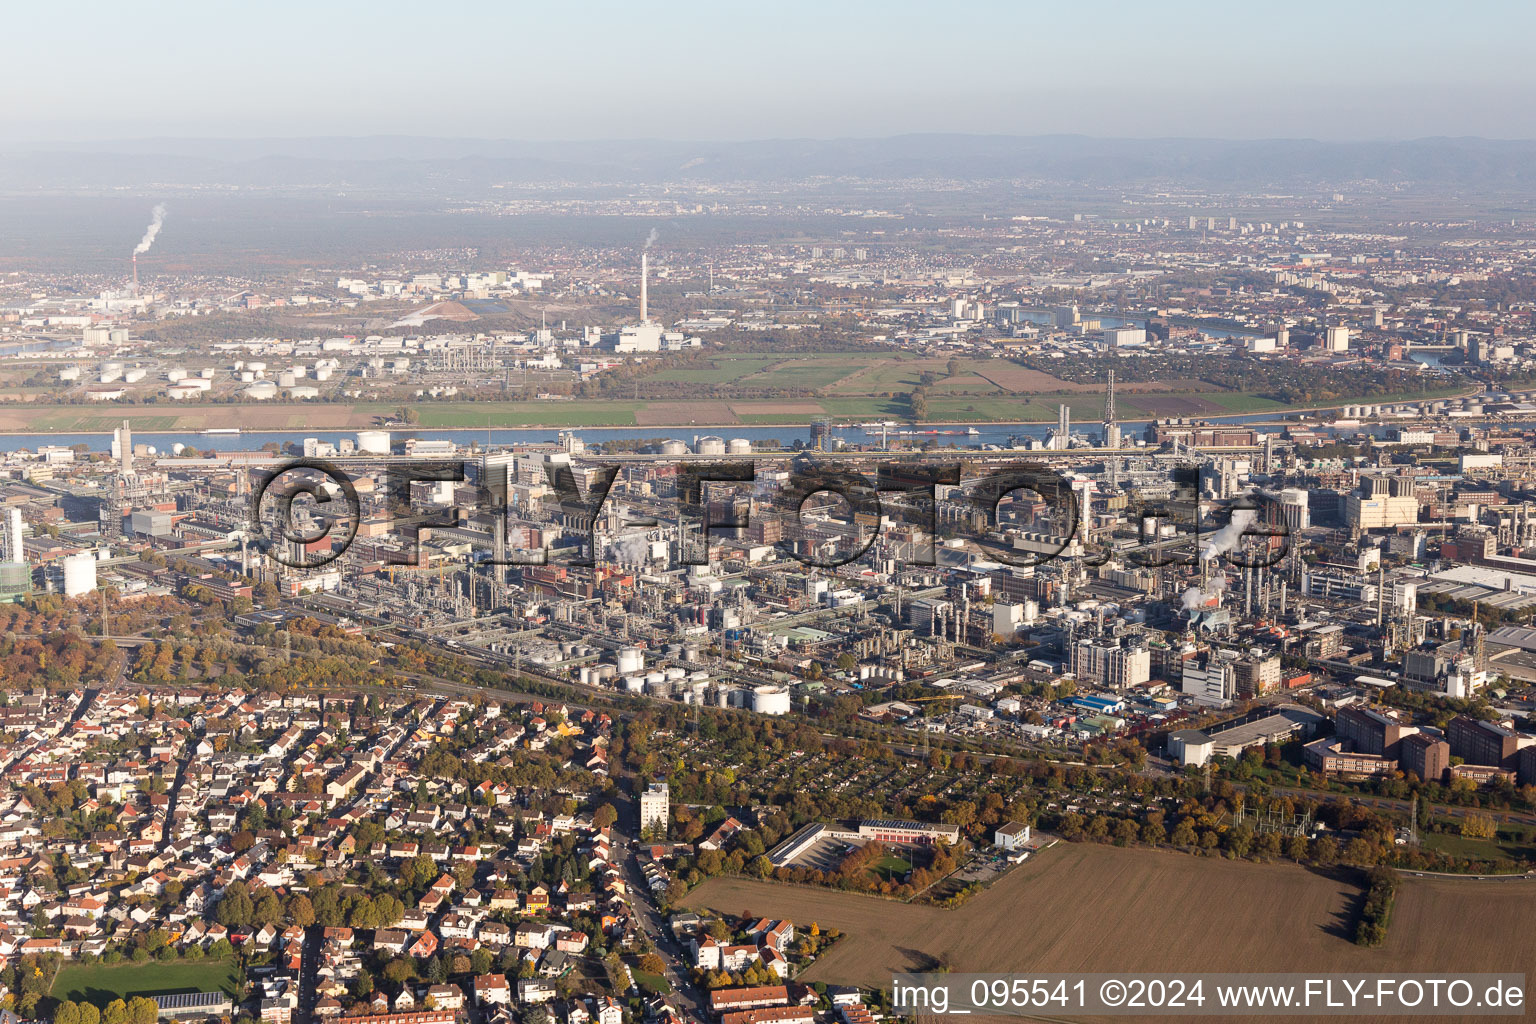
point(142, 1010)
point(650, 963)
point(235, 910)
point(301, 911)
point(1479, 826)
point(67, 1013)
point(115, 1013)
point(89, 1014)
point(268, 909)
point(604, 816)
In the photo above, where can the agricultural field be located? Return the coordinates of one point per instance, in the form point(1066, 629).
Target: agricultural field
point(720, 369)
point(100, 984)
point(1082, 907)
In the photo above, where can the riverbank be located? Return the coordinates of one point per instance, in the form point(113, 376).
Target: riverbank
point(662, 416)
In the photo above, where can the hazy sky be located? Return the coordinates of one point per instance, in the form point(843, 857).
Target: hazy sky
point(723, 70)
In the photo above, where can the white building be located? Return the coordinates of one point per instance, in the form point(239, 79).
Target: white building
point(655, 808)
point(1211, 679)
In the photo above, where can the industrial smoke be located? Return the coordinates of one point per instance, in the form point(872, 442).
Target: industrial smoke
point(157, 221)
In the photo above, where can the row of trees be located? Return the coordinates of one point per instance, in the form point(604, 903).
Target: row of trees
point(138, 1010)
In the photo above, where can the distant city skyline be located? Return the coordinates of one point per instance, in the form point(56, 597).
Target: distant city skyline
point(695, 71)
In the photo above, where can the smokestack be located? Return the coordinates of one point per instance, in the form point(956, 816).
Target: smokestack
point(125, 448)
point(135, 275)
point(645, 270)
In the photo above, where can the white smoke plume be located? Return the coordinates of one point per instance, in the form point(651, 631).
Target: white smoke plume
point(1226, 538)
point(650, 239)
point(634, 549)
point(157, 221)
point(1193, 598)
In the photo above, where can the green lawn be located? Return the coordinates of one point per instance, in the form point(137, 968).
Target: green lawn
point(100, 984)
point(653, 983)
point(891, 867)
point(1479, 849)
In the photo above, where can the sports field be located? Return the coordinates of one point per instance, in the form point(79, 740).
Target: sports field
point(100, 984)
point(1082, 907)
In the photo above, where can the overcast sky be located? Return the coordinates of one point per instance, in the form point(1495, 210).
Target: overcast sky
point(725, 70)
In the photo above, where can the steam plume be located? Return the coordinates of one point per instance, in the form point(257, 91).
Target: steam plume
point(157, 221)
point(1226, 538)
point(650, 239)
point(634, 549)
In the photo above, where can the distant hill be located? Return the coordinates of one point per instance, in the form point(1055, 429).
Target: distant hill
point(412, 162)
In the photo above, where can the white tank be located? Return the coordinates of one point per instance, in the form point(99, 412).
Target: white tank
point(676, 673)
point(631, 660)
point(79, 574)
point(373, 442)
point(674, 448)
point(634, 684)
point(770, 700)
point(710, 446)
point(738, 446)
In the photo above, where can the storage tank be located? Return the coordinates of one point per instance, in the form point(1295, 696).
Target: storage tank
point(373, 442)
point(634, 684)
point(631, 660)
point(674, 448)
point(770, 700)
point(674, 674)
point(15, 581)
point(79, 574)
point(738, 446)
point(710, 446)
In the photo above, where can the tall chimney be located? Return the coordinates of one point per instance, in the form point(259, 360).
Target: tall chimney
point(645, 270)
point(135, 275)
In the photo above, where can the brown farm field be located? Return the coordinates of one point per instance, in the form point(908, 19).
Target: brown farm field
point(1089, 908)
